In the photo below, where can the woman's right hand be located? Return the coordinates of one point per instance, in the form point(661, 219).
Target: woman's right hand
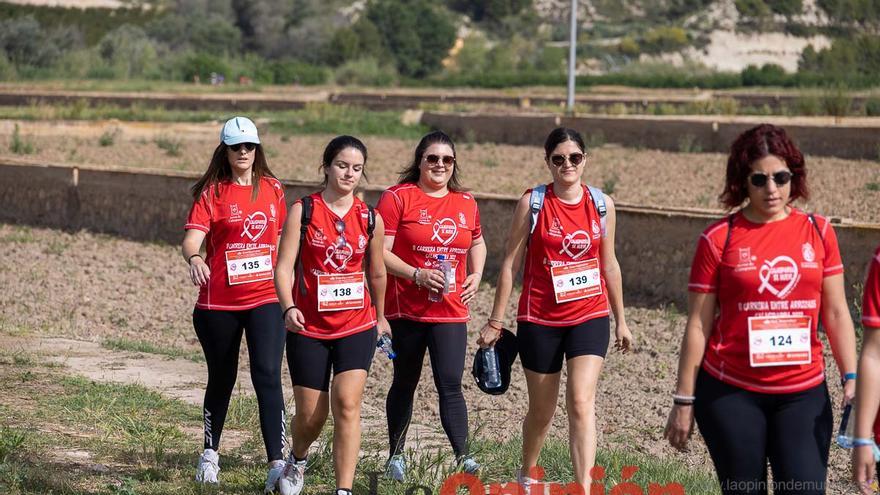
point(294, 321)
point(199, 272)
point(488, 336)
point(680, 425)
point(863, 468)
point(430, 279)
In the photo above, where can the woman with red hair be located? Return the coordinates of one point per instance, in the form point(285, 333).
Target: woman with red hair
point(751, 369)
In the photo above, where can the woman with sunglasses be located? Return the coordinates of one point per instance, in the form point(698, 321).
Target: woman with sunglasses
point(751, 369)
point(238, 212)
point(571, 278)
point(332, 317)
point(430, 222)
point(867, 419)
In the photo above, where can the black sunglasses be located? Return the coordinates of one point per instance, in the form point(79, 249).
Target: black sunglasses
point(447, 159)
point(247, 146)
point(781, 178)
point(574, 158)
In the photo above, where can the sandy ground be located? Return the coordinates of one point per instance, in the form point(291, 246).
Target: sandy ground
point(71, 291)
point(844, 188)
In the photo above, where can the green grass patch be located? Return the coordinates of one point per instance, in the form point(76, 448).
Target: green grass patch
point(123, 344)
point(324, 118)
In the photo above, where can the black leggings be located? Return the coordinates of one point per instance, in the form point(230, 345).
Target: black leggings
point(220, 335)
point(447, 344)
point(743, 429)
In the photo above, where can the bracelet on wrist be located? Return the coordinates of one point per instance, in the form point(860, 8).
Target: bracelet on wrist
point(416, 276)
point(284, 314)
point(684, 398)
point(848, 376)
point(496, 320)
point(679, 402)
point(190, 259)
point(862, 442)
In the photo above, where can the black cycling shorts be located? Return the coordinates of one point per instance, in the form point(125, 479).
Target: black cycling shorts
point(310, 360)
point(541, 347)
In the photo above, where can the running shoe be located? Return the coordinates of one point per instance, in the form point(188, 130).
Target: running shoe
point(396, 468)
point(209, 467)
point(293, 477)
point(276, 469)
point(468, 464)
point(525, 482)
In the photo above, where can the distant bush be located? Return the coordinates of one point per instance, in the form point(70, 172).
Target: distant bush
point(129, 52)
point(294, 72)
point(417, 51)
point(365, 72)
point(202, 65)
point(766, 75)
point(664, 39)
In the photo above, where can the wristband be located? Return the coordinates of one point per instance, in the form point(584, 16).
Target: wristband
point(862, 442)
point(848, 376)
point(416, 276)
point(684, 398)
point(496, 320)
point(679, 402)
point(284, 314)
point(190, 259)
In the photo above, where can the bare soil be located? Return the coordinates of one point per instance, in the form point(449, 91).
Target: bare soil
point(87, 287)
point(839, 187)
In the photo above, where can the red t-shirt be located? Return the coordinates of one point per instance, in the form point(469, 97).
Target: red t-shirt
point(871, 310)
point(241, 243)
point(562, 280)
point(767, 272)
point(334, 298)
point(424, 227)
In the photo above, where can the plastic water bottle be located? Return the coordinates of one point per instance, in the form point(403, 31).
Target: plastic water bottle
point(847, 427)
point(384, 343)
point(491, 376)
point(446, 268)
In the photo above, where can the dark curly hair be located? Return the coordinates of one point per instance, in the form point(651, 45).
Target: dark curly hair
point(753, 145)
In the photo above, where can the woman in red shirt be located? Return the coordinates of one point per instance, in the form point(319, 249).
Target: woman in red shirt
point(868, 388)
point(570, 279)
point(751, 369)
point(332, 317)
point(238, 212)
point(430, 223)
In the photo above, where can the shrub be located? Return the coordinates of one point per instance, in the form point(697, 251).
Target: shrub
point(766, 75)
point(665, 39)
point(202, 65)
point(19, 145)
point(417, 51)
point(365, 72)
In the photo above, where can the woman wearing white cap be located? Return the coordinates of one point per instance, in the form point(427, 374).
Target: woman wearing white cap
point(238, 214)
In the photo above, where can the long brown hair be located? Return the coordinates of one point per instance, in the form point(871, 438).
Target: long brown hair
point(220, 170)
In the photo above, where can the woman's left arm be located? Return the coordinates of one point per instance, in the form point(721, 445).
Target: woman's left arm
point(378, 275)
point(476, 263)
point(613, 280)
point(838, 324)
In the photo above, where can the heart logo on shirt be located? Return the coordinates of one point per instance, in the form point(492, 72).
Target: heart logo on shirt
point(778, 276)
point(575, 244)
point(254, 225)
point(338, 256)
point(445, 231)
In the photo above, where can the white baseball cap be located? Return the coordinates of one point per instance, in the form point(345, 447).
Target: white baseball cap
point(239, 130)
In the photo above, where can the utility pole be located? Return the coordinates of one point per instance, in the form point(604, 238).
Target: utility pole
point(572, 49)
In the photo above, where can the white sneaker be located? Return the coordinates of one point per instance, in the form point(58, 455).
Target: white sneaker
point(396, 468)
point(293, 477)
point(526, 483)
point(469, 465)
point(276, 469)
point(209, 467)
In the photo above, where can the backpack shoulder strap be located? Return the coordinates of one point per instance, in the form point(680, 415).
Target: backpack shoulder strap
point(305, 220)
point(371, 221)
point(599, 202)
point(536, 201)
point(816, 225)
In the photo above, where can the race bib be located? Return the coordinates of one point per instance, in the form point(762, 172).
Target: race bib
point(340, 291)
point(249, 265)
point(576, 281)
point(779, 340)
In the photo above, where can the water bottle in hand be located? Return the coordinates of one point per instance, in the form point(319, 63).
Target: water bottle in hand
point(847, 427)
point(491, 375)
point(444, 267)
point(384, 343)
